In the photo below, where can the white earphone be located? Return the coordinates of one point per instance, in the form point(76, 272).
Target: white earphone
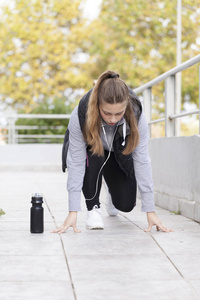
point(110, 149)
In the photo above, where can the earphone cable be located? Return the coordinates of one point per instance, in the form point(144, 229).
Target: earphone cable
point(110, 149)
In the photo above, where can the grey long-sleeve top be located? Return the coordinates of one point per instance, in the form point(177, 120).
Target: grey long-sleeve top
point(76, 158)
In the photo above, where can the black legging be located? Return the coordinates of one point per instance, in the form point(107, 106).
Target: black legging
point(122, 189)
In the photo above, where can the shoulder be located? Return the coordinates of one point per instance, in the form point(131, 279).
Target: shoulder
point(136, 104)
point(73, 122)
point(84, 100)
point(143, 126)
point(82, 108)
point(74, 112)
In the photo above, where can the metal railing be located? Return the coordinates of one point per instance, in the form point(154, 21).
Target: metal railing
point(170, 97)
point(170, 111)
point(13, 136)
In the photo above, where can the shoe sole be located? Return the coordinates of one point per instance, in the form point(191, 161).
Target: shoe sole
point(95, 228)
point(112, 214)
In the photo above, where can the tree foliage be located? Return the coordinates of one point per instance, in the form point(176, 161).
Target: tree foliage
point(39, 45)
point(138, 40)
point(48, 50)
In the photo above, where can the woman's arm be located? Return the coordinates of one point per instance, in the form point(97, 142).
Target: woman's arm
point(76, 157)
point(142, 167)
point(143, 174)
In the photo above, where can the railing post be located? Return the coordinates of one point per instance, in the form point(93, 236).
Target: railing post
point(11, 117)
point(199, 99)
point(170, 105)
point(11, 130)
point(148, 106)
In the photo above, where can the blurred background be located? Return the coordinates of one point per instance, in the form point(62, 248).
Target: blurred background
point(51, 51)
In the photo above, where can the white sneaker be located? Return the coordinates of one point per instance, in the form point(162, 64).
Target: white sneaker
point(94, 219)
point(111, 210)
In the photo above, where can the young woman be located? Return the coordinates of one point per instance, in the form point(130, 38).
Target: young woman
point(108, 137)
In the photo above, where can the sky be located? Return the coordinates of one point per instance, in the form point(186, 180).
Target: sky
point(91, 8)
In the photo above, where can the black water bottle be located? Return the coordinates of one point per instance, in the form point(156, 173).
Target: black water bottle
point(37, 214)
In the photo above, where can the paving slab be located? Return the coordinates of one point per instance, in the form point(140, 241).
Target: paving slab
point(121, 262)
point(31, 290)
point(29, 268)
point(137, 290)
point(35, 245)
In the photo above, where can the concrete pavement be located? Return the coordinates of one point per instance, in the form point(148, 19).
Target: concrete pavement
point(121, 262)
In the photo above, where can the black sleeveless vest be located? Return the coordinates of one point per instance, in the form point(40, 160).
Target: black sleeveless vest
point(125, 161)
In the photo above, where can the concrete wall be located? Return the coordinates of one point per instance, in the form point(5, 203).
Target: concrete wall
point(31, 157)
point(176, 174)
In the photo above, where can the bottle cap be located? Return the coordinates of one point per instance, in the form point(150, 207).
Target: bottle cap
point(37, 198)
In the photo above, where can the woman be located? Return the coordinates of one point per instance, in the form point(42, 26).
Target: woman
point(108, 137)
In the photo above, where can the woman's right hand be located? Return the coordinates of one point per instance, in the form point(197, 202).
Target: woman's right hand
point(70, 221)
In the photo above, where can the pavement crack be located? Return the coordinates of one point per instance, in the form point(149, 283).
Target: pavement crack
point(68, 267)
point(166, 255)
point(63, 248)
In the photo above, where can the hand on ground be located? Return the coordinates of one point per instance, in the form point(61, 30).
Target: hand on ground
point(153, 220)
point(70, 221)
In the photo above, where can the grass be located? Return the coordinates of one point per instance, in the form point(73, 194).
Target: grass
point(178, 212)
point(2, 212)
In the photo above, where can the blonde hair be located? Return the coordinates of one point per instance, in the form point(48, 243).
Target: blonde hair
point(110, 89)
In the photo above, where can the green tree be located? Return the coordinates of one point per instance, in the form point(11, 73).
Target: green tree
point(138, 40)
point(39, 47)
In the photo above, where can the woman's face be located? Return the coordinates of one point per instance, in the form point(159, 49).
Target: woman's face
point(112, 113)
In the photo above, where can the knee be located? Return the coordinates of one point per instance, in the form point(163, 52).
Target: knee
point(125, 207)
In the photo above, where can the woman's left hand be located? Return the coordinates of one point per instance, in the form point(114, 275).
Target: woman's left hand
point(153, 220)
